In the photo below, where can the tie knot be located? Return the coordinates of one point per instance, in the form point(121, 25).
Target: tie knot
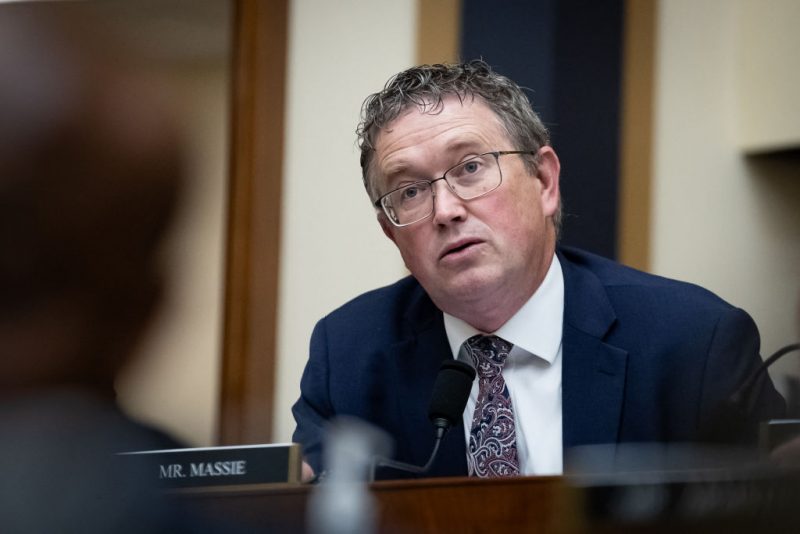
point(489, 354)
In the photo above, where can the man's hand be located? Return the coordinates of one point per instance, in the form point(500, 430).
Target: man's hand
point(306, 474)
point(788, 454)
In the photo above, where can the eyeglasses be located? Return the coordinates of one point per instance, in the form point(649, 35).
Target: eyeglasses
point(468, 180)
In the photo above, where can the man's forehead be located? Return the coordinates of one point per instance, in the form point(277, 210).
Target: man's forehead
point(457, 123)
point(425, 140)
point(442, 106)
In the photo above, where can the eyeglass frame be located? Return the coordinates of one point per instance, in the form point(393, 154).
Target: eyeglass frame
point(496, 153)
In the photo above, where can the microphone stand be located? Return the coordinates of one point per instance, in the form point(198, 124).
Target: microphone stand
point(442, 426)
point(740, 395)
point(450, 393)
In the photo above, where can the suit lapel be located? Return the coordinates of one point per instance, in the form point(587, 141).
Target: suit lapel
point(593, 375)
point(416, 361)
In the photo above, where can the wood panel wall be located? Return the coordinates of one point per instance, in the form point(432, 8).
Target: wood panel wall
point(254, 210)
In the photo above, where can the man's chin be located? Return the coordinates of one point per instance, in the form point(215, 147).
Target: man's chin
point(463, 288)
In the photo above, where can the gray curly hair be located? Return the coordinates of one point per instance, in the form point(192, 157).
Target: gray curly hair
point(426, 86)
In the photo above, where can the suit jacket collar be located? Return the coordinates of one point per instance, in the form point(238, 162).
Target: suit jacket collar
point(593, 374)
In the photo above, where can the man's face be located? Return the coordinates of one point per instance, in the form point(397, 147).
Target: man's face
point(481, 259)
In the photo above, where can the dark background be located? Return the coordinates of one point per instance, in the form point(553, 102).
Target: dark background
point(568, 56)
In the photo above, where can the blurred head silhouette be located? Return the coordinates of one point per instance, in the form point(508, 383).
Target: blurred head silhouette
point(89, 176)
point(89, 173)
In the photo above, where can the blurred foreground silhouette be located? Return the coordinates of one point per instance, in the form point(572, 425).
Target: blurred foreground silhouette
point(90, 171)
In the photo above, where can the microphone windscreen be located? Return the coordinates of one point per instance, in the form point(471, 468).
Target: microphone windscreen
point(451, 391)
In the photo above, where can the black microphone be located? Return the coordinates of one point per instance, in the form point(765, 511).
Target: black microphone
point(449, 398)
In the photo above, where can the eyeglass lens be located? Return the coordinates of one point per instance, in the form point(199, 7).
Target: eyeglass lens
point(467, 180)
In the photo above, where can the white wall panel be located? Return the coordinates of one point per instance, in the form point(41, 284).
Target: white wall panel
point(332, 247)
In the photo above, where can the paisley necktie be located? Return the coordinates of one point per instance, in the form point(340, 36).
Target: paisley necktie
point(493, 438)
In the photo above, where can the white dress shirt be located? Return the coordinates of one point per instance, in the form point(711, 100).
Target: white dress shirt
point(532, 373)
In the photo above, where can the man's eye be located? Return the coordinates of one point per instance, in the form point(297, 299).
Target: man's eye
point(471, 167)
point(410, 192)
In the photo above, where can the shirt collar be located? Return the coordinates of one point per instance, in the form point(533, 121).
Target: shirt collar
point(536, 327)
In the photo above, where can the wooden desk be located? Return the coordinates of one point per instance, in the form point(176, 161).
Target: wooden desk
point(425, 505)
point(557, 505)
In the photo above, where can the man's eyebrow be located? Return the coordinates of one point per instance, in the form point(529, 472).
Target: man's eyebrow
point(398, 169)
point(404, 168)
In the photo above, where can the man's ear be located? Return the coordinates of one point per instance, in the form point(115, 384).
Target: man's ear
point(548, 171)
point(386, 226)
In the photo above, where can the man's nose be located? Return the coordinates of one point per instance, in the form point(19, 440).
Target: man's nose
point(447, 206)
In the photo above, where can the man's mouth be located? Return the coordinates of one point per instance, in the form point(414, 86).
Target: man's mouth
point(459, 247)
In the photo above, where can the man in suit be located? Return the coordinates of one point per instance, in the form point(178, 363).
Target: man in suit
point(570, 348)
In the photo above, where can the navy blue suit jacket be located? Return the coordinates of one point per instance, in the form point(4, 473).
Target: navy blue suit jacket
point(645, 359)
